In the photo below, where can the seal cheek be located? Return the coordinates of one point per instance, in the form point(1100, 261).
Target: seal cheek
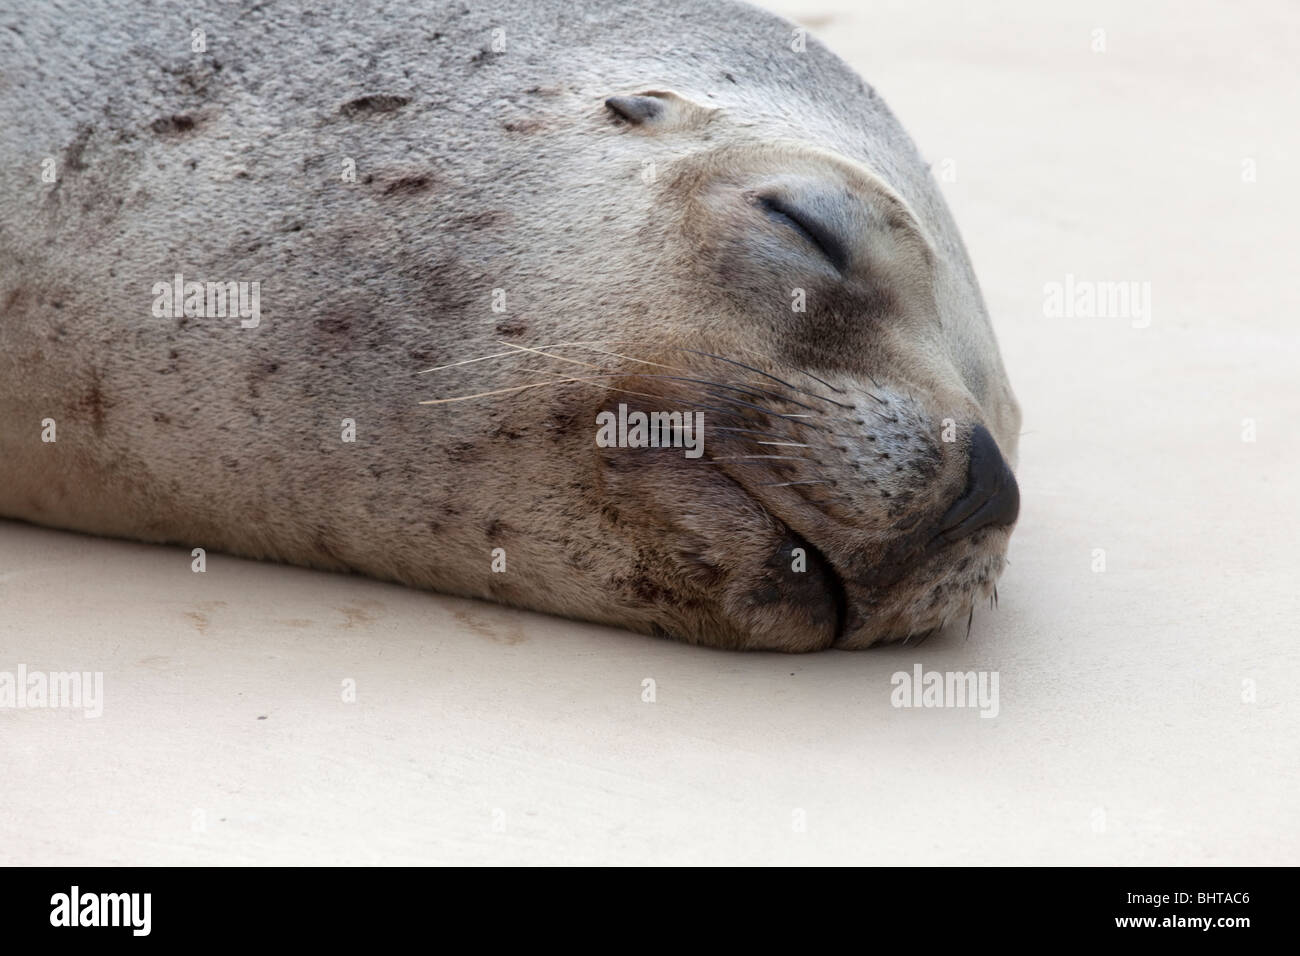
point(708, 564)
point(795, 603)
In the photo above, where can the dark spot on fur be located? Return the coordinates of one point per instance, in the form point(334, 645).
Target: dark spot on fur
point(172, 125)
point(338, 326)
point(408, 185)
point(375, 103)
point(483, 57)
point(496, 527)
point(646, 589)
point(462, 451)
point(72, 158)
point(444, 286)
point(162, 418)
point(730, 78)
point(16, 297)
point(92, 404)
point(523, 126)
point(563, 422)
point(481, 220)
point(512, 328)
point(193, 79)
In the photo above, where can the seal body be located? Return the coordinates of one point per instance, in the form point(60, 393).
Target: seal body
point(679, 207)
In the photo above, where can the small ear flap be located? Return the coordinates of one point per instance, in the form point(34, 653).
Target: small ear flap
point(635, 109)
point(659, 110)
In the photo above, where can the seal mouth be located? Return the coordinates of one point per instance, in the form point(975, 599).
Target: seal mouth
point(834, 581)
point(926, 578)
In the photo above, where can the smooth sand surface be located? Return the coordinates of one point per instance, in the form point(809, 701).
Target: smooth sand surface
point(1147, 713)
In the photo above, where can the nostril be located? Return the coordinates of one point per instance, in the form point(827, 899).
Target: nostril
point(992, 496)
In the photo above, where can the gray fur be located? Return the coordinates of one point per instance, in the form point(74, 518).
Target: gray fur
point(476, 169)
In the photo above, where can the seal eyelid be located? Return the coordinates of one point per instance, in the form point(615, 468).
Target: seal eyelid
point(825, 241)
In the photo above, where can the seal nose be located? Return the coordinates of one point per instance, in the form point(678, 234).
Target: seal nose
point(992, 496)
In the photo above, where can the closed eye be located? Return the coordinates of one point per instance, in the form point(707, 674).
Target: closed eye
point(825, 241)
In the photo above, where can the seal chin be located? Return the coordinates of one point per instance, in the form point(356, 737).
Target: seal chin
point(941, 588)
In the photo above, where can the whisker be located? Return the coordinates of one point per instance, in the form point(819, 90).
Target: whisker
point(629, 358)
point(481, 358)
point(514, 350)
point(772, 377)
point(765, 457)
point(693, 381)
point(736, 388)
point(560, 381)
point(755, 431)
point(760, 408)
point(498, 391)
point(558, 358)
point(837, 391)
point(484, 358)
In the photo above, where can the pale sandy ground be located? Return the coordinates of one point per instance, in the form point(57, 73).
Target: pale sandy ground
point(481, 734)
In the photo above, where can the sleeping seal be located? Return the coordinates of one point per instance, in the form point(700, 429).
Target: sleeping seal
point(236, 239)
